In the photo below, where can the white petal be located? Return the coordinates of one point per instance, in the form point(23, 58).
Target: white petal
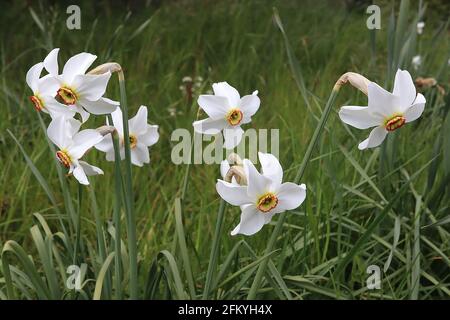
point(90, 170)
point(271, 168)
point(101, 106)
point(223, 89)
point(209, 126)
point(48, 86)
point(106, 145)
point(138, 124)
point(56, 109)
point(232, 136)
point(150, 136)
point(416, 110)
point(404, 88)
point(51, 62)
point(381, 102)
point(251, 221)
point(214, 106)
point(290, 196)
point(77, 65)
point(57, 132)
point(375, 138)
point(258, 184)
point(91, 87)
point(83, 113)
point(140, 155)
point(359, 117)
point(83, 141)
point(235, 195)
point(33, 75)
point(224, 167)
point(118, 121)
point(249, 105)
point(80, 175)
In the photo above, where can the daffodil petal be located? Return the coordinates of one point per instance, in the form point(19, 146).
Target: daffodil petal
point(77, 65)
point(150, 136)
point(404, 89)
point(224, 167)
point(375, 138)
point(215, 107)
point(91, 87)
point(381, 102)
point(80, 175)
point(359, 117)
point(290, 196)
point(209, 126)
point(257, 183)
point(233, 194)
point(51, 62)
point(33, 75)
point(232, 136)
point(271, 168)
point(251, 221)
point(223, 89)
point(138, 124)
point(83, 141)
point(416, 110)
point(90, 170)
point(249, 105)
point(140, 155)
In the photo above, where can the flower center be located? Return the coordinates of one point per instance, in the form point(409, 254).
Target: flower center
point(38, 105)
point(64, 158)
point(395, 122)
point(133, 141)
point(67, 95)
point(234, 117)
point(267, 202)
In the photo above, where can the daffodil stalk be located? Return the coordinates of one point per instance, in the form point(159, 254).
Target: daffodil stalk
point(317, 133)
point(128, 192)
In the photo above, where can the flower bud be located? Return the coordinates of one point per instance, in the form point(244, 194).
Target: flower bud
point(238, 173)
point(104, 68)
point(355, 79)
point(104, 130)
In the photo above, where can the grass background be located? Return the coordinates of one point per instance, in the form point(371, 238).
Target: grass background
point(237, 41)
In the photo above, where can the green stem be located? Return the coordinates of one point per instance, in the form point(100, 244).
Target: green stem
point(317, 133)
point(131, 225)
point(214, 250)
point(116, 215)
point(78, 224)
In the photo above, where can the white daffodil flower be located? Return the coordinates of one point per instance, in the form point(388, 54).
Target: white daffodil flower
point(420, 26)
point(73, 144)
point(227, 111)
point(264, 196)
point(142, 136)
point(83, 91)
point(416, 62)
point(44, 91)
point(386, 111)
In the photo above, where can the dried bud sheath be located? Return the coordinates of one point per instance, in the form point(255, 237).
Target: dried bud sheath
point(104, 68)
point(356, 80)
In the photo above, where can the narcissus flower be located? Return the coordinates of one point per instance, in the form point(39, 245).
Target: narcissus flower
point(44, 91)
point(142, 136)
point(416, 62)
point(75, 88)
point(386, 111)
point(420, 26)
point(73, 144)
point(264, 195)
point(227, 111)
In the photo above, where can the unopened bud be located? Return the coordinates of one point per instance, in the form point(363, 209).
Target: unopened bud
point(104, 68)
point(356, 80)
point(104, 130)
point(238, 173)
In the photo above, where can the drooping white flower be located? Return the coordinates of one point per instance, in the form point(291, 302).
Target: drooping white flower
point(142, 136)
point(420, 26)
point(385, 111)
point(264, 196)
point(226, 111)
point(72, 145)
point(44, 91)
point(416, 62)
point(82, 91)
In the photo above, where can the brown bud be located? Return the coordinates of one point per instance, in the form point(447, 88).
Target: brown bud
point(355, 79)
